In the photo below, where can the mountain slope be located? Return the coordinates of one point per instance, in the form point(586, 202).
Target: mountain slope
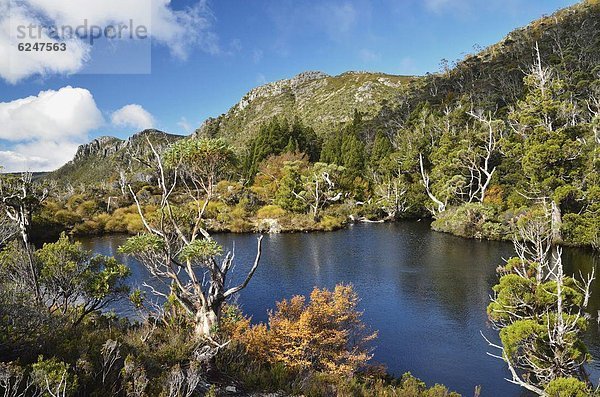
point(319, 100)
point(568, 41)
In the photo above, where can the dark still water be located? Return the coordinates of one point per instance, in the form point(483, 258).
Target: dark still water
point(425, 292)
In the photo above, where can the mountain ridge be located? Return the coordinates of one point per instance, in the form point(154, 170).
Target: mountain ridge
point(491, 78)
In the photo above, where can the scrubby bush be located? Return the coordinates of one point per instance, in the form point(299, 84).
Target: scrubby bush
point(315, 348)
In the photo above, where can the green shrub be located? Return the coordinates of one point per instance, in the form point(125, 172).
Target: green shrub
point(214, 208)
point(581, 229)
point(67, 218)
point(88, 228)
point(87, 208)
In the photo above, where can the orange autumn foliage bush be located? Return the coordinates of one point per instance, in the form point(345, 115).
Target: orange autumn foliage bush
point(325, 334)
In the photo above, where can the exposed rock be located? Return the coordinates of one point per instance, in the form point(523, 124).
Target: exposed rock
point(101, 147)
point(105, 157)
point(269, 225)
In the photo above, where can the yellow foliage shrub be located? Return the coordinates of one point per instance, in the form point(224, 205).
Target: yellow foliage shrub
point(329, 223)
point(74, 201)
point(324, 335)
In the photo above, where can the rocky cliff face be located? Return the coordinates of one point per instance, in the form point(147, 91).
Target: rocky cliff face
point(100, 147)
point(103, 158)
point(107, 146)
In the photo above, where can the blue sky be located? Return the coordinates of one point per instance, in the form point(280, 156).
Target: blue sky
point(227, 47)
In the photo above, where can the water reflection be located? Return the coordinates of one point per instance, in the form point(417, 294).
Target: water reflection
point(425, 292)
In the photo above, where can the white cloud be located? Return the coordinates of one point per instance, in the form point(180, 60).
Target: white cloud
point(369, 56)
point(38, 156)
point(180, 30)
point(257, 56)
point(53, 115)
point(42, 132)
point(16, 65)
point(133, 116)
point(336, 18)
point(184, 124)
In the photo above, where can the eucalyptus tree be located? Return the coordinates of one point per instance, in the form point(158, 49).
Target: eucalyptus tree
point(20, 196)
point(76, 282)
point(390, 190)
point(176, 248)
point(320, 187)
point(441, 205)
point(440, 165)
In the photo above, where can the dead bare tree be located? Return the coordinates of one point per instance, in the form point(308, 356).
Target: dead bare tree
point(441, 205)
point(391, 198)
point(593, 105)
point(57, 384)
point(111, 354)
point(183, 382)
point(533, 244)
point(320, 187)
point(135, 377)
point(123, 182)
point(481, 167)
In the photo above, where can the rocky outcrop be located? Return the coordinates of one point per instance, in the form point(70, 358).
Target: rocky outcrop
point(107, 146)
point(104, 158)
point(100, 147)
